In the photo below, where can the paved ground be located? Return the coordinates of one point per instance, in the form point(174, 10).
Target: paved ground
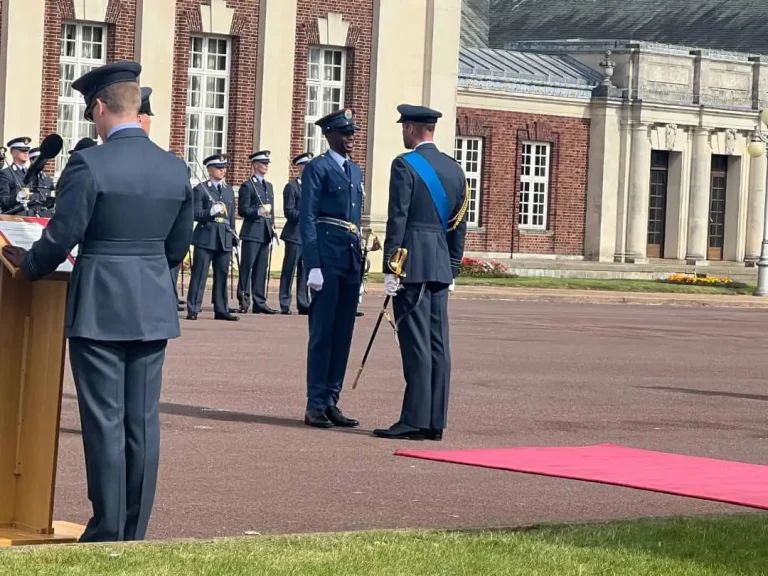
point(236, 457)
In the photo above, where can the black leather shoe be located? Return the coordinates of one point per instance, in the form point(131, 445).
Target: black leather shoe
point(286, 312)
point(317, 419)
point(191, 315)
point(338, 419)
point(232, 310)
point(264, 310)
point(182, 302)
point(228, 317)
point(400, 432)
point(358, 314)
point(436, 435)
point(303, 312)
point(180, 307)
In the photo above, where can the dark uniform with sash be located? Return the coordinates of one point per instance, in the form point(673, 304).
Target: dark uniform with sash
point(12, 177)
point(213, 241)
point(120, 308)
point(427, 208)
point(255, 203)
point(291, 235)
point(330, 212)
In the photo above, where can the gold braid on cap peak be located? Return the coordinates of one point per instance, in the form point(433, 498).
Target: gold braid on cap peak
point(456, 220)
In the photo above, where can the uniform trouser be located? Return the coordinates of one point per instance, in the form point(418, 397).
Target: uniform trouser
point(331, 324)
point(175, 278)
point(118, 391)
point(293, 264)
point(201, 263)
point(253, 272)
point(426, 354)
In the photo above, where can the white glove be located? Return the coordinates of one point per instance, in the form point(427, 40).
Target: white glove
point(262, 211)
point(217, 209)
point(22, 195)
point(315, 280)
point(452, 287)
point(391, 284)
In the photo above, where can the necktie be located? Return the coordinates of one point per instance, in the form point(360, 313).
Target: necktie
point(347, 170)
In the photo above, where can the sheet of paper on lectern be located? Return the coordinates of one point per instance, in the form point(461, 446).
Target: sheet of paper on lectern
point(25, 232)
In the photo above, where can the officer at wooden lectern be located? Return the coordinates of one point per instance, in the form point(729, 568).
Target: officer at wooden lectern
point(131, 225)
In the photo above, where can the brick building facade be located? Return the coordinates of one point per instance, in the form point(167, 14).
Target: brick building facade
point(503, 134)
point(357, 70)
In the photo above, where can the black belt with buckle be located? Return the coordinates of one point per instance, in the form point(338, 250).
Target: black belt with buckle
point(220, 220)
point(348, 226)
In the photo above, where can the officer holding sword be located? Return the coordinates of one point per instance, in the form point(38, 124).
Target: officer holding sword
point(213, 239)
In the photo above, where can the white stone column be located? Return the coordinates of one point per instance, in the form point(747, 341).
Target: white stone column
point(21, 75)
point(274, 99)
point(639, 191)
point(758, 172)
point(155, 32)
point(603, 182)
point(698, 208)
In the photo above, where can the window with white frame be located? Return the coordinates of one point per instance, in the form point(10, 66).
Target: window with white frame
point(83, 47)
point(469, 154)
point(534, 185)
point(326, 72)
point(207, 100)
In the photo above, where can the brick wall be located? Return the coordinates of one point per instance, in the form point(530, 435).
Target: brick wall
point(359, 13)
point(242, 88)
point(503, 134)
point(121, 26)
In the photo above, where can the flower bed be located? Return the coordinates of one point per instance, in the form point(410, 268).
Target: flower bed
point(703, 280)
point(478, 268)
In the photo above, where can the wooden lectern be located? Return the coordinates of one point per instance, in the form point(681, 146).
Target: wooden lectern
point(32, 347)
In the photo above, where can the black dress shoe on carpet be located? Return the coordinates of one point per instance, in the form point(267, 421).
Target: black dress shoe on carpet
point(303, 312)
point(263, 310)
point(436, 435)
point(232, 310)
point(337, 418)
point(286, 312)
point(317, 419)
point(191, 315)
point(358, 314)
point(228, 317)
point(400, 432)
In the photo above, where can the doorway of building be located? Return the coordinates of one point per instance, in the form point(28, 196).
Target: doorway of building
point(657, 203)
point(717, 190)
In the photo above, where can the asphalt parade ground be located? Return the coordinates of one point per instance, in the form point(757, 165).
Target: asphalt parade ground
point(236, 457)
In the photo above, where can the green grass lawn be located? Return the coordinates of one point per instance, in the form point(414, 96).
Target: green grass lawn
point(570, 283)
point(707, 546)
point(590, 284)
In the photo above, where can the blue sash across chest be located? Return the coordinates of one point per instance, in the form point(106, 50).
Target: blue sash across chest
point(427, 173)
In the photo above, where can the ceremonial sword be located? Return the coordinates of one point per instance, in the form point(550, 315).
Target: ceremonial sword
point(396, 265)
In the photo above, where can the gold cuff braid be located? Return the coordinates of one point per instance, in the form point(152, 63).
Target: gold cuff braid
point(455, 221)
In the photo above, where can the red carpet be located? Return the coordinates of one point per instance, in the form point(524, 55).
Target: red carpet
point(719, 480)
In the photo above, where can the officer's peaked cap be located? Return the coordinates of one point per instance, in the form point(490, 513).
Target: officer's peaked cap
point(82, 144)
point(145, 107)
point(262, 156)
point(216, 161)
point(303, 158)
point(21, 143)
point(90, 84)
point(420, 114)
point(340, 121)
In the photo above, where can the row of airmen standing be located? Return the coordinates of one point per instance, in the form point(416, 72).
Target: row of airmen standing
point(216, 242)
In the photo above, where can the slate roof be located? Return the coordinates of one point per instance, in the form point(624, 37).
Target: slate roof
point(529, 72)
point(736, 25)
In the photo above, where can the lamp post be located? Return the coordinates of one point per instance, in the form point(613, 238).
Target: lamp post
point(756, 149)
